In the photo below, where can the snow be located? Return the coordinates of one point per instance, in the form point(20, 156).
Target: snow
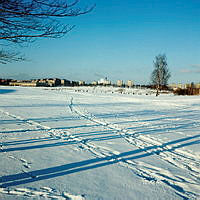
point(87, 143)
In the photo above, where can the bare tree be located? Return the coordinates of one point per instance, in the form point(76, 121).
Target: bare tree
point(22, 21)
point(160, 74)
point(6, 57)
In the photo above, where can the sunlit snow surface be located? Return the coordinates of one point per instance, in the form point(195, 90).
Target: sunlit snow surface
point(98, 143)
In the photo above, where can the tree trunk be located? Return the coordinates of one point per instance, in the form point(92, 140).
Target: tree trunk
point(157, 90)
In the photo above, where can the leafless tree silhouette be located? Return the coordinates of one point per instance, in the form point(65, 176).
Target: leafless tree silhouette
point(160, 74)
point(23, 21)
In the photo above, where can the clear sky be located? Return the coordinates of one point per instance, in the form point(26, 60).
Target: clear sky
point(119, 39)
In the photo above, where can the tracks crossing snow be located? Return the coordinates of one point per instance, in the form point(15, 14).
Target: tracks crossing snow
point(43, 192)
point(184, 186)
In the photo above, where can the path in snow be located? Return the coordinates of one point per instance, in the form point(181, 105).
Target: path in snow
point(168, 152)
point(171, 152)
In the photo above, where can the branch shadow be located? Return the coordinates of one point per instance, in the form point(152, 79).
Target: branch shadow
point(29, 141)
point(70, 168)
point(53, 145)
point(56, 128)
point(40, 120)
point(34, 106)
point(161, 129)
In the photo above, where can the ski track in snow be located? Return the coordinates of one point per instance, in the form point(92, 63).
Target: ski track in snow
point(146, 141)
point(24, 162)
point(176, 157)
point(42, 193)
point(31, 123)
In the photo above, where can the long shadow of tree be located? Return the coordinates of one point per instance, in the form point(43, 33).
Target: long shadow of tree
point(5, 91)
point(62, 170)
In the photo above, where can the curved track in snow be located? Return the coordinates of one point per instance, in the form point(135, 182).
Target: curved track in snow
point(170, 153)
point(185, 187)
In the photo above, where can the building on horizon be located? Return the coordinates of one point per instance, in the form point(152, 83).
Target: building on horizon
point(75, 83)
point(26, 83)
point(81, 83)
point(119, 83)
point(94, 83)
point(175, 86)
point(130, 83)
point(103, 81)
point(5, 81)
point(65, 82)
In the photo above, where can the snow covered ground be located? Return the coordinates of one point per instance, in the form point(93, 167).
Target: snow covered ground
point(98, 143)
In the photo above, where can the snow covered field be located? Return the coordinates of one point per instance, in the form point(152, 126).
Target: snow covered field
point(98, 144)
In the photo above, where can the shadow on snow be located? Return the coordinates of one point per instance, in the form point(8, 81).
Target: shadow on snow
point(5, 91)
point(52, 172)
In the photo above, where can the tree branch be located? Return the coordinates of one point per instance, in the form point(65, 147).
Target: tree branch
point(22, 21)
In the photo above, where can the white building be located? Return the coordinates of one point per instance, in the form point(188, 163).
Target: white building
point(104, 82)
point(130, 83)
point(81, 82)
point(119, 83)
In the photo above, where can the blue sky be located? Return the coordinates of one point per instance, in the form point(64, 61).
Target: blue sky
point(119, 39)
